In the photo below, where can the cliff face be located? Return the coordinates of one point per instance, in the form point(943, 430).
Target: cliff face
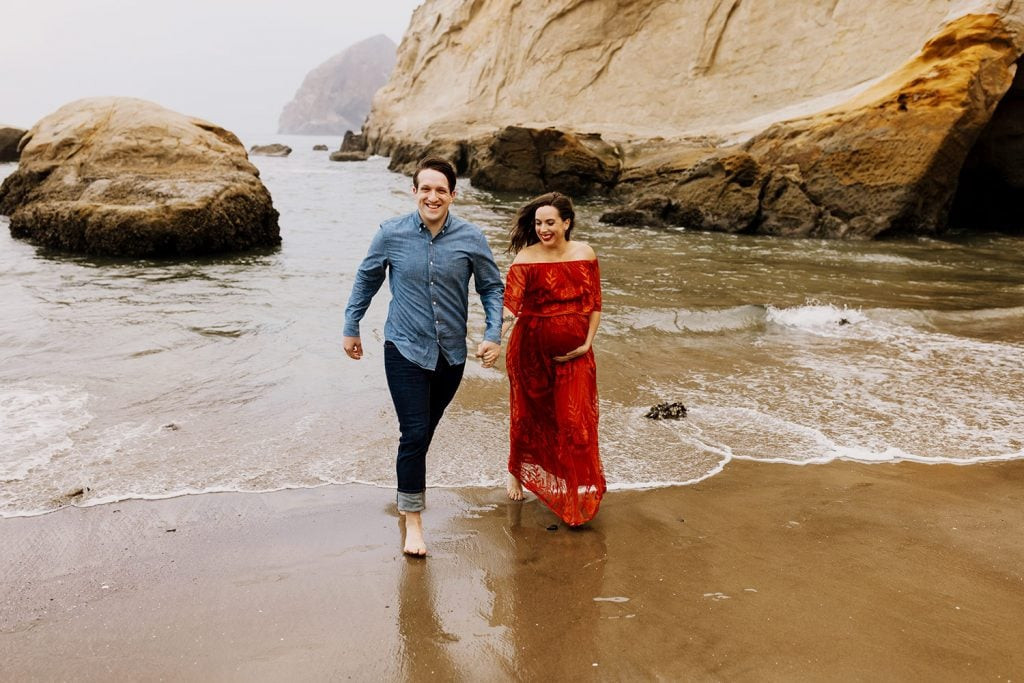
point(639, 67)
point(825, 117)
point(336, 95)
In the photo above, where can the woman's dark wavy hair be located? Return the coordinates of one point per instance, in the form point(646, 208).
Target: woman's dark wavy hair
point(523, 233)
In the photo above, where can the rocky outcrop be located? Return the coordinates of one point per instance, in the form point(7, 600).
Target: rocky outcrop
point(9, 139)
point(353, 142)
point(336, 95)
point(320, 148)
point(525, 159)
point(518, 159)
point(349, 156)
point(353, 148)
point(813, 119)
point(272, 150)
point(126, 177)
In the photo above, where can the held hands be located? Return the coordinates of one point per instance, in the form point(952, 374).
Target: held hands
point(488, 352)
point(575, 353)
point(353, 347)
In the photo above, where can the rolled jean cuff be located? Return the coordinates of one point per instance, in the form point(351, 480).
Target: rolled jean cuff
point(412, 502)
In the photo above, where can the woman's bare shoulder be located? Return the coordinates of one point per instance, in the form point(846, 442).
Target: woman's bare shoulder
point(583, 252)
point(526, 255)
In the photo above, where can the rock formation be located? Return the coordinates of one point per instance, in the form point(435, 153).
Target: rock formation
point(353, 148)
point(273, 150)
point(126, 177)
point(336, 95)
point(820, 118)
point(9, 139)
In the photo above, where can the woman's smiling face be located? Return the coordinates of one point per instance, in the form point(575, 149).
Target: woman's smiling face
point(550, 227)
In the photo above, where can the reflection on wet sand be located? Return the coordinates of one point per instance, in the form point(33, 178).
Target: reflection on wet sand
point(764, 572)
point(548, 607)
point(423, 639)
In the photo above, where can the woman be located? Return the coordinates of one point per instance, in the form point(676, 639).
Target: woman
point(553, 295)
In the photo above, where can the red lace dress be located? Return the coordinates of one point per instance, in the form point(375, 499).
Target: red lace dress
point(553, 431)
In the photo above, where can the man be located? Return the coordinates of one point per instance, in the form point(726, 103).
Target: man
point(429, 256)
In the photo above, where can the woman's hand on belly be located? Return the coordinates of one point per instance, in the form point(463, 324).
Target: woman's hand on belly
point(575, 353)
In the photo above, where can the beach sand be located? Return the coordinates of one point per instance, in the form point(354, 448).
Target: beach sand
point(765, 572)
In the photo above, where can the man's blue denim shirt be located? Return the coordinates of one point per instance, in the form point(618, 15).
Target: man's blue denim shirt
point(429, 281)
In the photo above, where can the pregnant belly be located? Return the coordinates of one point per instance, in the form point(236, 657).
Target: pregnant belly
point(561, 334)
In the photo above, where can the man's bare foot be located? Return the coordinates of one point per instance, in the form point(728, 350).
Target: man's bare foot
point(514, 488)
point(414, 543)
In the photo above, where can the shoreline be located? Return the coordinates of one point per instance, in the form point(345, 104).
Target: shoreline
point(841, 570)
point(644, 486)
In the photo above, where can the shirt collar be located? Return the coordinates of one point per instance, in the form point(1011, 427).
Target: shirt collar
point(447, 222)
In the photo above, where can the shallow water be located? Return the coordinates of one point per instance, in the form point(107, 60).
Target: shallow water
point(151, 379)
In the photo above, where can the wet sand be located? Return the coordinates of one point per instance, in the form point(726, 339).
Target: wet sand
point(764, 572)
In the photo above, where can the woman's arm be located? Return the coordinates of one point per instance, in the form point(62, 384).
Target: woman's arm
point(508, 319)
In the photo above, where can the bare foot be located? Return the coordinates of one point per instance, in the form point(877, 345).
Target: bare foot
point(514, 488)
point(414, 543)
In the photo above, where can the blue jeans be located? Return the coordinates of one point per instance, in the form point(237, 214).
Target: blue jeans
point(420, 397)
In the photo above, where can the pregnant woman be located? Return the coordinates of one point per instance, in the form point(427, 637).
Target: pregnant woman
point(553, 297)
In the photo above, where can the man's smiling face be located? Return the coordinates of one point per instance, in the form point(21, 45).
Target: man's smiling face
point(433, 196)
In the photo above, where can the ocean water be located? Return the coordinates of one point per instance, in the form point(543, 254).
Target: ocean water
point(135, 379)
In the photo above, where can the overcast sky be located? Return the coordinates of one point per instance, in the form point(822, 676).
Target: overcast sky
point(233, 62)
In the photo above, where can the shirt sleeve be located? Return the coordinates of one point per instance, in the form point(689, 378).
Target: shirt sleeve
point(515, 288)
point(487, 279)
point(369, 278)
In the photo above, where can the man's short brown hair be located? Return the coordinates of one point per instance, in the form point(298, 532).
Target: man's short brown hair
point(435, 164)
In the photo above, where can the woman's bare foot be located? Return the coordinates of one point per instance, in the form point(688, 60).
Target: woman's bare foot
point(414, 543)
point(514, 488)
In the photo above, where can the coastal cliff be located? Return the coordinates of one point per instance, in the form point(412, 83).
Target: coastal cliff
point(824, 118)
point(335, 96)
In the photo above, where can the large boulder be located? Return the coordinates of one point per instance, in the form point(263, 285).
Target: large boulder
point(9, 139)
point(523, 159)
point(520, 159)
point(126, 177)
point(336, 96)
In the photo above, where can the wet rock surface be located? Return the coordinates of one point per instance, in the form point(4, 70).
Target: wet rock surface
point(272, 150)
point(126, 177)
point(349, 156)
point(666, 411)
point(9, 139)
